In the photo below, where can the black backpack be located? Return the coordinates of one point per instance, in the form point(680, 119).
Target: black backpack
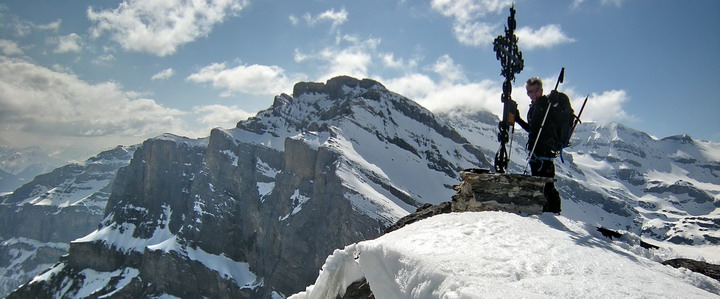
point(555, 130)
point(562, 121)
point(565, 118)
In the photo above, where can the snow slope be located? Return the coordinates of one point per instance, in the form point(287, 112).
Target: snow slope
point(503, 255)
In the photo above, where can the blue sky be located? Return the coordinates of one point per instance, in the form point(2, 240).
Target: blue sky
point(94, 74)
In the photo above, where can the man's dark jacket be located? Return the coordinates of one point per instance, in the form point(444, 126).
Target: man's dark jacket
point(550, 140)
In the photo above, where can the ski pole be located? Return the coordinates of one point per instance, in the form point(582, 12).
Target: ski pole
point(561, 78)
point(577, 120)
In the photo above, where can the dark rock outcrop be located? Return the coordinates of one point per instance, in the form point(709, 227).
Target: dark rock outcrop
point(707, 269)
point(480, 190)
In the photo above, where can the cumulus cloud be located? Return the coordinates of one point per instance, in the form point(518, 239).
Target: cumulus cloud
point(336, 18)
point(469, 28)
point(220, 115)
point(69, 43)
point(160, 26)
point(475, 33)
point(53, 106)
point(391, 62)
point(350, 56)
point(545, 37)
point(468, 10)
point(251, 79)
point(164, 74)
point(604, 107)
point(9, 48)
point(449, 90)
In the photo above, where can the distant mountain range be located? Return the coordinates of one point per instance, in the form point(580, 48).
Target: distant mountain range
point(19, 165)
point(255, 210)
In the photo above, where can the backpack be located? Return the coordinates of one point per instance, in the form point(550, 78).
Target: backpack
point(566, 117)
point(555, 130)
point(563, 120)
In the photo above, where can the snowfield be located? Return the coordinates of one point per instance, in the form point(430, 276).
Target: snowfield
point(503, 255)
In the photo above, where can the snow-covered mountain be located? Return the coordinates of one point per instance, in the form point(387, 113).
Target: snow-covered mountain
point(39, 219)
point(255, 210)
point(19, 166)
point(342, 160)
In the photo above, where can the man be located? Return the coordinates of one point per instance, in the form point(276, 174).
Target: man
point(544, 148)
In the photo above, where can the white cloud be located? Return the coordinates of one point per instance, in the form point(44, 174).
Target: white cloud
point(9, 48)
point(160, 26)
point(617, 3)
point(220, 116)
point(390, 61)
point(605, 107)
point(474, 33)
point(465, 11)
point(336, 18)
point(69, 43)
point(451, 90)
point(353, 60)
point(448, 70)
point(545, 37)
point(467, 29)
point(444, 96)
point(471, 31)
point(52, 26)
point(103, 59)
point(164, 74)
point(251, 79)
point(55, 107)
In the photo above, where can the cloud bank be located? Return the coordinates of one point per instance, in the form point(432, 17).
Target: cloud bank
point(159, 27)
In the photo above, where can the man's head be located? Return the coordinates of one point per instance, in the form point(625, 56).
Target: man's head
point(533, 86)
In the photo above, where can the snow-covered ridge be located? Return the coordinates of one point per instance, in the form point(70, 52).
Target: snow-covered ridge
point(199, 142)
point(75, 184)
point(503, 255)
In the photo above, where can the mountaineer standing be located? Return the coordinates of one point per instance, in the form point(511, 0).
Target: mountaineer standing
point(549, 121)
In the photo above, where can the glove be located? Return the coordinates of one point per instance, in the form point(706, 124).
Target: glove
point(554, 97)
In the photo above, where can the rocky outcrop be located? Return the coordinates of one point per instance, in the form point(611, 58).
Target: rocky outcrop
point(479, 190)
point(335, 87)
point(707, 269)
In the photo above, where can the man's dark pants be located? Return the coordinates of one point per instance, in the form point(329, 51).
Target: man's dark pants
point(546, 168)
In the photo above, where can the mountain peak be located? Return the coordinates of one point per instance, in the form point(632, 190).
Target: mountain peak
point(336, 87)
